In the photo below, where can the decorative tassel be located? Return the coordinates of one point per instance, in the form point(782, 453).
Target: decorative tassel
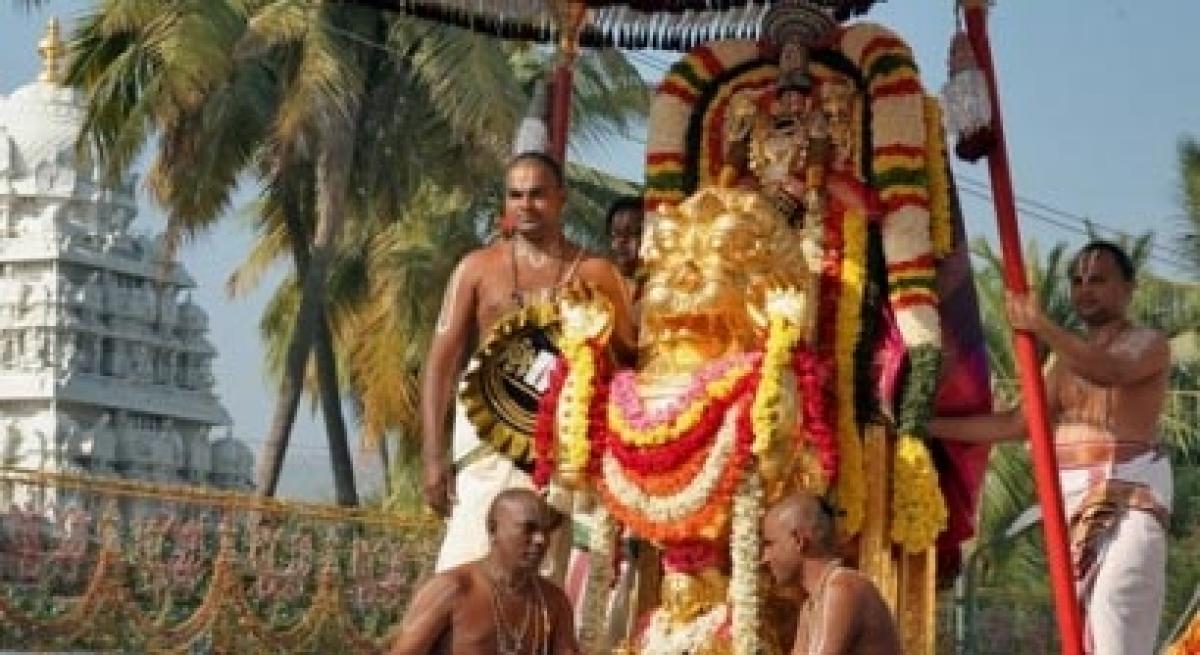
point(967, 102)
point(533, 134)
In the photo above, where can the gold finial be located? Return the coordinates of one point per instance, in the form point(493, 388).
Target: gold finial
point(572, 18)
point(53, 52)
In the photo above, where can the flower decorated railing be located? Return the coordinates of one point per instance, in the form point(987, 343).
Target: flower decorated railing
point(103, 564)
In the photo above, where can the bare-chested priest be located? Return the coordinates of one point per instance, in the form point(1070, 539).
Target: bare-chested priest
point(498, 605)
point(1105, 389)
point(535, 262)
point(842, 612)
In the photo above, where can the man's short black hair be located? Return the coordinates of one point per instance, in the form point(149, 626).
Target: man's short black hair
point(1122, 258)
point(622, 204)
point(542, 158)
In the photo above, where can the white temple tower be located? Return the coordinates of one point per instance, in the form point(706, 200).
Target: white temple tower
point(104, 362)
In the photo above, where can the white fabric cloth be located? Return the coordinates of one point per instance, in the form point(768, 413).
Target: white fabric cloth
point(1124, 599)
point(476, 486)
point(1151, 470)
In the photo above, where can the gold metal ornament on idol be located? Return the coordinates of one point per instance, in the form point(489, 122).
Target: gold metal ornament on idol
point(700, 258)
point(686, 596)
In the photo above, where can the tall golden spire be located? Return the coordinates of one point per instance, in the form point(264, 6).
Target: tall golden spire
point(53, 52)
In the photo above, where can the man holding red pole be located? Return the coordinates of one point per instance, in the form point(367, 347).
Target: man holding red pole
point(1105, 392)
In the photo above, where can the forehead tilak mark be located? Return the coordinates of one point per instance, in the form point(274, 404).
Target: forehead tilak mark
point(1088, 264)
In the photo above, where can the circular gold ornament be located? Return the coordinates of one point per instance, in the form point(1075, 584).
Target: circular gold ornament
point(507, 377)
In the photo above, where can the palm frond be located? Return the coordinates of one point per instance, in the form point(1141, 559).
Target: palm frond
point(610, 91)
point(268, 249)
point(319, 91)
point(467, 78)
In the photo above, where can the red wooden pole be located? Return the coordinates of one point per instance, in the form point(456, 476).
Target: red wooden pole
point(571, 17)
point(1033, 391)
point(560, 110)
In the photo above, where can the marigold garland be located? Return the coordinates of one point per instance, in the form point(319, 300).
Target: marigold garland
point(668, 481)
point(688, 500)
point(700, 510)
point(782, 335)
point(572, 412)
point(941, 220)
point(903, 172)
point(918, 508)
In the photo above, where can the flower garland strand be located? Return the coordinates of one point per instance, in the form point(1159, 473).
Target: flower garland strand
point(811, 376)
point(745, 545)
point(543, 430)
point(636, 426)
point(941, 219)
point(601, 540)
point(572, 413)
point(900, 161)
point(918, 507)
point(699, 509)
point(658, 460)
point(782, 335)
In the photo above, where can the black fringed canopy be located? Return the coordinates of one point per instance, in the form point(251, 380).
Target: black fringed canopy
point(633, 24)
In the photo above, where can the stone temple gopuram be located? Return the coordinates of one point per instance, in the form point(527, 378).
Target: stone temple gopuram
point(104, 363)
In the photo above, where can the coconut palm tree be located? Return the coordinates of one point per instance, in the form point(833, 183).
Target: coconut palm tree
point(227, 88)
point(298, 96)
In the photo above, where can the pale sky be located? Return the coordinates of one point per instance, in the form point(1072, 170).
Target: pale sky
point(1096, 95)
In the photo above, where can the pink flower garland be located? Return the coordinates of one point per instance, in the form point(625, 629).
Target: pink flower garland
point(673, 454)
point(624, 392)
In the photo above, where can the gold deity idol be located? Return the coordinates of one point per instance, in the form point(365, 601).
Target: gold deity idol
point(726, 278)
point(708, 263)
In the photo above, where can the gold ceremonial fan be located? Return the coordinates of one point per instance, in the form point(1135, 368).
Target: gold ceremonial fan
point(508, 375)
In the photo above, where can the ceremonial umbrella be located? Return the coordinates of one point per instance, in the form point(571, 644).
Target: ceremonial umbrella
point(631, 24)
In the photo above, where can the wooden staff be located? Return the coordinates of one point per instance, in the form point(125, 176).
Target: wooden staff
point(1033, 388)
point(571, 18)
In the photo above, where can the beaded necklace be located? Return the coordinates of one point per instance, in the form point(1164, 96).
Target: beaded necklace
point(534, 624)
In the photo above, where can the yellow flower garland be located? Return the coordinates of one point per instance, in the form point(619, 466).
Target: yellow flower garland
point(918, 508)
point(782, 335)
point(572, 411)
point(941, 223)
